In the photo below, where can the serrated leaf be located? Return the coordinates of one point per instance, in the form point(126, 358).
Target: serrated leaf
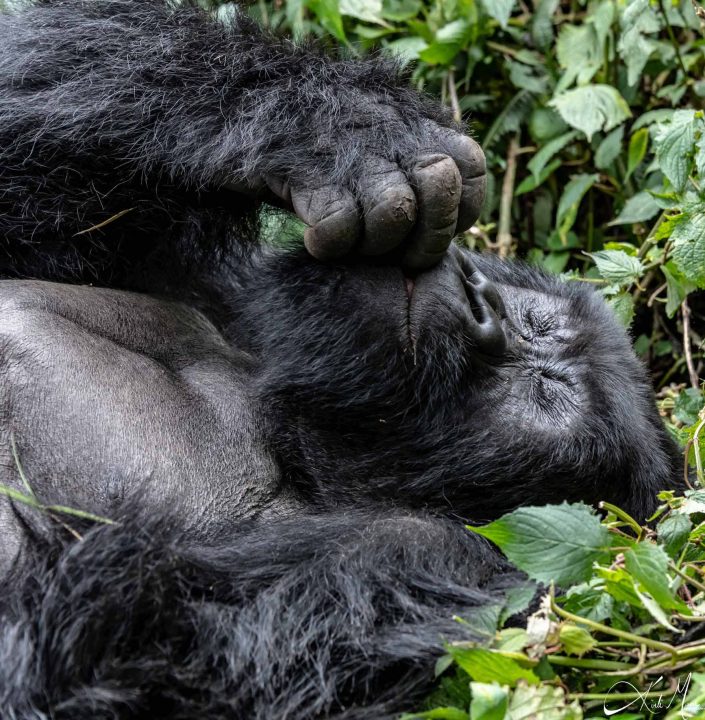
point(609, 148)
point(617, 266)
point(675, 146)
point(542, 703)
point(579, 53)
point(647, 563)
point(677, 287)
point(516, 600)
point(633, 46)
point(673, 532)
point(622, 305)
point(552, 543)
point(688, 405)
point(688, 240)
point(638, 145)
point(551, 148)
point(639, 208)
point(589, 601)
point(500, 10)
point(489, 701)
point(591, 108)
point(489, 666)
point(576, 640)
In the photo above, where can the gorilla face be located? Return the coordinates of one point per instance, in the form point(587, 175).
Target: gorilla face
point(472, 388)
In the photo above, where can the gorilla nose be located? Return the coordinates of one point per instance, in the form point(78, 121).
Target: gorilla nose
point(486, 311)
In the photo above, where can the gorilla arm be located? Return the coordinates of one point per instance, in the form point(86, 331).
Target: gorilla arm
point(113, 110)
point(334, 616)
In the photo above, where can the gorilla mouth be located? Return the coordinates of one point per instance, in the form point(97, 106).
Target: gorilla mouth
point(409, 286)
point(455, 298)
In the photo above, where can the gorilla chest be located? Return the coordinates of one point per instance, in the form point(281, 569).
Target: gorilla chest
point(106, 399)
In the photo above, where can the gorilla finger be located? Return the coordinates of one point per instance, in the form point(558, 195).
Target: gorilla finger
point(437, 183)
point(333, 219)
point(470, 159)
point(388, 205)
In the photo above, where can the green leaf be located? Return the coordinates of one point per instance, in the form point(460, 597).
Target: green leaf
point(400, 10)
point(609, 148)
point(677, 287)
point(439, 713)
point(622, 305)
point(553, 543)
point(551, 148)
point(647, 563)
point(591, 108)
point(531, 182)
point(500, 10)
point(517, 599)
point(575, 639)
point(639, 208)
point(633, 46)
point(448, 42)
point(589, 600)
point(675, 145)
point(688, 404)
point(367, 10)
point(688, 240)
point(674, 530)
point(579, 53)
point(489, 666)
point(653, 116)
point(542, 703)
point(570, 201)
point(638, 145)
point(655, 610)
point(617, 266)
point(407, 48)
point(328, 14)
point(489, 702)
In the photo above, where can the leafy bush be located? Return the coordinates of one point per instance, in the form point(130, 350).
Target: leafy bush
point(626, 637)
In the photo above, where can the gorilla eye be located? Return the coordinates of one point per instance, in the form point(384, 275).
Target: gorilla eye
point(539, 325)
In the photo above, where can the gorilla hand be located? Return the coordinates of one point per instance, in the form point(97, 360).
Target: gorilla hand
point(419, 202)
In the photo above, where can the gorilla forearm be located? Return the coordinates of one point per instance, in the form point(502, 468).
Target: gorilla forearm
point(335, 616)
point(137, 113)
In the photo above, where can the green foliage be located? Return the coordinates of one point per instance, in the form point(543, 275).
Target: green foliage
point(597, 103)
point(622, 626)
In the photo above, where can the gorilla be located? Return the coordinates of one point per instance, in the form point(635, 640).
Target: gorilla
point(282, 446)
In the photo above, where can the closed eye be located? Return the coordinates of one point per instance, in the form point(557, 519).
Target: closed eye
point(538, 324)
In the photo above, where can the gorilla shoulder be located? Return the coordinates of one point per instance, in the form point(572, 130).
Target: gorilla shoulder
point(110, 393)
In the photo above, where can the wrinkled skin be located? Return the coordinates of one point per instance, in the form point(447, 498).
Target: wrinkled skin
point(289, 447)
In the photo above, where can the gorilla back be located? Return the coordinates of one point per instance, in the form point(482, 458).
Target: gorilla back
point(289, 448)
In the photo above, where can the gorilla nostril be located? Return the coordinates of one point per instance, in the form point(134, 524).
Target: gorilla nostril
point(487, 310)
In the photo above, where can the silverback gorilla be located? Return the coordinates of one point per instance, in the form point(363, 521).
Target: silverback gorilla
point(289, 446)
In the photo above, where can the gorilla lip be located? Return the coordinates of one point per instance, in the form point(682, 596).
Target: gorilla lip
point(409, 286)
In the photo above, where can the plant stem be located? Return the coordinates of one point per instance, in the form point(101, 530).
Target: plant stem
point(504, 227)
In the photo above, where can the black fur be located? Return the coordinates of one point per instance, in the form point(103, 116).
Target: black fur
point(290, 449)
point(334, 616)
